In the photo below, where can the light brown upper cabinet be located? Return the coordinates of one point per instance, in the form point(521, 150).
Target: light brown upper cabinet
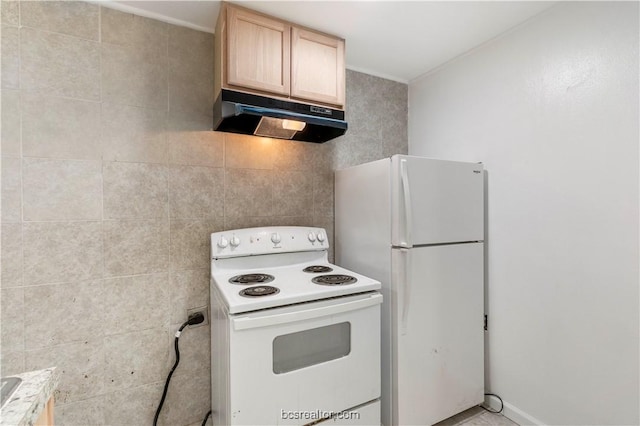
point(317, 72)
point(260, 54)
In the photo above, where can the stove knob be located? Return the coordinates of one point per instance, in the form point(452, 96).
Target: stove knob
point(223, 242)
point(312, 236)
point(275, 238)
point(235, 241)
point(321, 237)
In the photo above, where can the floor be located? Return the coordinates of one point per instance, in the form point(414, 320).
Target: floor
point(477, 416)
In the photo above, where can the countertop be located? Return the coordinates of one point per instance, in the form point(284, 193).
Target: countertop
point(28, 401)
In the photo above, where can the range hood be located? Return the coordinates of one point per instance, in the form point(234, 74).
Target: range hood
point(248, 114)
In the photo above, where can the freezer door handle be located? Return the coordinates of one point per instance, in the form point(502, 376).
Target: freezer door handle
point(405, 288)
point(406, 195)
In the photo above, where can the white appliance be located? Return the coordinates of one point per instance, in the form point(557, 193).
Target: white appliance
point(417, 225)
point(295, 339)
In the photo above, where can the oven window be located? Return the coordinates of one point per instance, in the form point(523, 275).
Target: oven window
point(310, 347)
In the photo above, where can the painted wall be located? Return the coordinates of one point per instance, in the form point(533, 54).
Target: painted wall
point(111, 185)
point(551, 108)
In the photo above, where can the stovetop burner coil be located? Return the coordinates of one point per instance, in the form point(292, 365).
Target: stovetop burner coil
point(315, 269)
point(334, 279)
point(259, 291)
point(251, 279)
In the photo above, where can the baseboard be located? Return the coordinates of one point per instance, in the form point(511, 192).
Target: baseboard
point(512, 412)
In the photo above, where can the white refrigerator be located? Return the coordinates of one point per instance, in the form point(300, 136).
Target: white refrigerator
point(417, 225)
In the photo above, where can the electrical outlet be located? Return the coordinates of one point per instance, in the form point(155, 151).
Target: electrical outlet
point(203, 310)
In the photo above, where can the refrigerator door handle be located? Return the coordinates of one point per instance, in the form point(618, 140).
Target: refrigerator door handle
point(405, 287)
point(406, 195)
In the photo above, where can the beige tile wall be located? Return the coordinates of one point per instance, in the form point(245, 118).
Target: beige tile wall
point(377, 112)
point(111, 185)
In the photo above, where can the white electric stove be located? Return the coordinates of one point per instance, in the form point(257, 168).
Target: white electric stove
point(295, 339)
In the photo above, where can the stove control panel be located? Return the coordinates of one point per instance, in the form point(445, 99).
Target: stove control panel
point(267, 240)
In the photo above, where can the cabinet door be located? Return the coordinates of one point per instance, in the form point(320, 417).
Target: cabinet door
point(317, 72)
point(258, 52)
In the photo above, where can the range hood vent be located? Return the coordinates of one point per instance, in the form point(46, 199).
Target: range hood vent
point(244, 113)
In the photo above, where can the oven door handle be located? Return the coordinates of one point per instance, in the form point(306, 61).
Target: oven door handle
point(248, 322)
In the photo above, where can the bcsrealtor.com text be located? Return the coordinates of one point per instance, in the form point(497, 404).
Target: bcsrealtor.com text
point(318, 415)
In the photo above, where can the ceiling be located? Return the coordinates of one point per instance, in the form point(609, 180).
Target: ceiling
point(400, 40)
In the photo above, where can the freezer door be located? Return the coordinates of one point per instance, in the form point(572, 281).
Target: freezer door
point(435, 201)
point(438, 327)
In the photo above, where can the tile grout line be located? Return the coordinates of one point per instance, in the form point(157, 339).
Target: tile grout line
point(93, 101)
point(58, 32)
point(168, 161)
point(100, 24)
point(168, 66)
point(224, 183)
point(102, 394)
point(102, 230)
point(22, 245)
point(170, 268)
point(110, 277)
point(101, 145)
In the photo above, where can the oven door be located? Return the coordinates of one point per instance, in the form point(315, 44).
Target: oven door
point(301, 363)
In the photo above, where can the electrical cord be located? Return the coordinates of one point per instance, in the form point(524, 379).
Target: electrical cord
point(193, 320)
point(204, 422)
point(490, 409)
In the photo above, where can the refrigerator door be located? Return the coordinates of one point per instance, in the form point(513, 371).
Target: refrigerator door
point(435, 201)
point(437, 332)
